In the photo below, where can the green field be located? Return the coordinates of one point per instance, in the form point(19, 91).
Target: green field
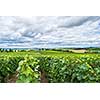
point(44, 53)
point(49, 66)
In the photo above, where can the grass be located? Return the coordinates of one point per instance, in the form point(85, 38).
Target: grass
point(45, 53)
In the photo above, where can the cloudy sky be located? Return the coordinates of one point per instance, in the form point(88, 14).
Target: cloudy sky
point(49, 31)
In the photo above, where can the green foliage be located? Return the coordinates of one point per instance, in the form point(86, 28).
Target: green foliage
point(58, 67)
point(8, 66)
point(28, 70)
point(64, 69)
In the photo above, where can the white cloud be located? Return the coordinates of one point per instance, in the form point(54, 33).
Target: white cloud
point(50, 31)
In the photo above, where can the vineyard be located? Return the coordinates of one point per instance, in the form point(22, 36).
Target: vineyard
point(49, 67)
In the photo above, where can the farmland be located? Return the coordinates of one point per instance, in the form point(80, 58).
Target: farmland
point(49, 66)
